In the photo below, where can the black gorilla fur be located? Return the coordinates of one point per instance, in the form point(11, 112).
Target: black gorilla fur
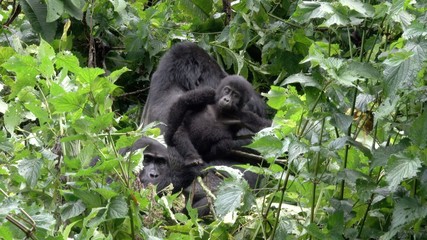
point(205, 123)
point(165, 166)
point(185, 67)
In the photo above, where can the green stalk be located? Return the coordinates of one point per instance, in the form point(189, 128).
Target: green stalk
point(316, 171)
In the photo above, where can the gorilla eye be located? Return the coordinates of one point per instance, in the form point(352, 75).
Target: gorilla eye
point(236, 95)
point(226, 90)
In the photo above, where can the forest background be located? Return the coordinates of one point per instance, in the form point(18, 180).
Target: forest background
point(345, 81)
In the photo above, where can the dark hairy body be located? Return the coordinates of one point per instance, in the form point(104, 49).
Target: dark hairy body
point(205, 122)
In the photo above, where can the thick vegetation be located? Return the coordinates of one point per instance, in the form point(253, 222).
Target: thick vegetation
point(347, 149)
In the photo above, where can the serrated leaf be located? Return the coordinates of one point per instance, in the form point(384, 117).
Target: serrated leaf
point(268, 146)
point(68, 61)
point(90, 198)
point(231, 196)
point(341, 121)
point(117, 73)
point(296, 149)
point(106, 193)
point(401, 167)
point(88, 75)
point(304, 80)
point(382, 154)
point(68, 102)
point(13, 117)
point(44, 221)
point(72, 209)
point(406, 211)
point(25, 68)
point(118, 208)
point(401, 68)
point(366, 10)
point(119, 5)
point(311, 10)
point(30, 170)
point(416, 30)
point(418, 130)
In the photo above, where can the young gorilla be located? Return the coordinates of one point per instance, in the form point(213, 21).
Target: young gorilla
point(185, 67)
point(205, 123)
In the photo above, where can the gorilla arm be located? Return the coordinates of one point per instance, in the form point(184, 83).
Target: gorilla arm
point(191, 100)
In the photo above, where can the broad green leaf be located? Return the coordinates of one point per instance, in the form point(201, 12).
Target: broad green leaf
point(406, 211)
point(38, 111)
point(46, 57)
point(44, 221)
point(74, 8)
point(382, 154)
point(416, 30)
point(13, 117)
point(199, 8)
point(230, 197)
point(387, 107)
point(116, 74)
point(25, 68)
point(304, 80)
point(401, 167)
point(90, 199)
point(119, 6)
point(268, 146)
point(117, 208)
point(36, 12)
point(106, 193)
point(418, 130)
point(30, 170)
point(341, 121)
point(307, 11)
point(366, 10)
point(55, 8)
point(401, 69)
point(296, 149)
point(88, 75)
point(68, 61)
point(72, 209)
point(68, 102)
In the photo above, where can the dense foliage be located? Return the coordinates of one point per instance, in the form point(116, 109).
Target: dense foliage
point(345, 80)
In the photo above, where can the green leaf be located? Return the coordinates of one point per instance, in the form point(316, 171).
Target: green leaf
point(406, 211)
point(401, 167)
point(55, 8)
point(116, 74)
point(30, 170)
point(106, 193)
point(72, 209)
point(307, 11)
point(119, 6)
point(199, 8)
point(382, 154)
point(25, 68)
point(118, 208)
point(366, 10)
point(418, 130)
point(13, 117)
point(304, 80)
point(341, 121)
point(46, 57)
point(74, 8)
point(90, 199)
point(296, 149)
point(268, 146)
point(401, 68)
point(68, 61)
point(88, 75)
point(36, 13)
point(68, 102)
point(230, 197)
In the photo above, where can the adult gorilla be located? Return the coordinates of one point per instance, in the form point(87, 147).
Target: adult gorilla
point(164, 166)
point(185, 67)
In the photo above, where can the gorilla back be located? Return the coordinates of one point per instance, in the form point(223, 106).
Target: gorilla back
point(184, 67)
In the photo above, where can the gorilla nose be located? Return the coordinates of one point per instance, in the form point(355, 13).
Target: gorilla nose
point(154, 175)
